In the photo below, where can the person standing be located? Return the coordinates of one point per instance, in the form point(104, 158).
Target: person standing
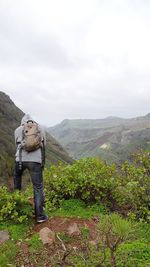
point(30, 154)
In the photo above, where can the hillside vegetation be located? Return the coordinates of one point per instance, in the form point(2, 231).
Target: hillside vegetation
point(113, 139)
point(99, 213)
point(110, 207)
point(10, 118)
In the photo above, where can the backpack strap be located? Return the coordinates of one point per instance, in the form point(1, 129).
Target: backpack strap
point(20, 157)
point(43, 153)
point(20, 151)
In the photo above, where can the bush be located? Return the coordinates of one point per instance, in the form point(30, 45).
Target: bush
point(134, 254)
point(88, 179)
point(125, 190)
point(132, 194)
point(14, 206)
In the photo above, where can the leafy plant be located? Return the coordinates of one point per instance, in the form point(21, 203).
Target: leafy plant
point(133, 191)
point(88, 179)
point(14, 206)
point(114, 231)
point(125, 190)
point(136, 253)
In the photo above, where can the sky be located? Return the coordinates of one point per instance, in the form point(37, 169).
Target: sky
point(76, 59)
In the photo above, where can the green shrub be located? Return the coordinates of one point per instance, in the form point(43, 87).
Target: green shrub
point(14, 206)
point(143, 231)
point(134, 254)
point(143, 159)
point(88, 179)
point(125, 190)
point(132, 194)
point(114, 230)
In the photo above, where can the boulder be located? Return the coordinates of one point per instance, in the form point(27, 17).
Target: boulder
point(73, 230)
point(4, 236)
point(47, 236)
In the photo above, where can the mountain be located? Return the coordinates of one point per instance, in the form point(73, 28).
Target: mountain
point(111, 138)
point(10, 117)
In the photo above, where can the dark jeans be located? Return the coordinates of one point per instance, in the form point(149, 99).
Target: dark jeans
point(35, 170)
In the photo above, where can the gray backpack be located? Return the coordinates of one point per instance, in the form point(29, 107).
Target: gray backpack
point(32, 137)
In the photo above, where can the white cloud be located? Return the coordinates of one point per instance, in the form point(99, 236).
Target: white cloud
point(76, 59)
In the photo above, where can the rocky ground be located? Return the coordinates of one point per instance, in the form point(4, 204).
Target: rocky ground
point(61, 238)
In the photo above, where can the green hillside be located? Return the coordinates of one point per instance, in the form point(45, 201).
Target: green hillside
point(10, 117)
point(99, 216)
point(112, 138)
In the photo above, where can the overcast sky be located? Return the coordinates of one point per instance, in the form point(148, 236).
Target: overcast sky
point(68, 59)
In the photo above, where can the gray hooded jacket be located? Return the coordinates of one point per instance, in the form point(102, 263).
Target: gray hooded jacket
point(34, 156)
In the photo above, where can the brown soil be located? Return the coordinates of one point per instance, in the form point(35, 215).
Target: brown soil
point(60, 224)
point(55, 255)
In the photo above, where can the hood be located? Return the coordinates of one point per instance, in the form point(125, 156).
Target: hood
point(26, 118)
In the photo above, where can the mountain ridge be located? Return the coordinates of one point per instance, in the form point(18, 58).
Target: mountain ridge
point(10, 117)
point(111, 138)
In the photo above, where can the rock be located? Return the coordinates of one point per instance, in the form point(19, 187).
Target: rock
point(25, 248)
point(73, 230)
point(47, 236)
point(4, 236)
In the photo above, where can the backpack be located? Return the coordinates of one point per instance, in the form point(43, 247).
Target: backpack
point(32, 137)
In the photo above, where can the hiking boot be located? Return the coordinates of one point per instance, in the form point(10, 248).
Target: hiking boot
point(42, 218)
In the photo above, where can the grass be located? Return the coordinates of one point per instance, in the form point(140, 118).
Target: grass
point(84, 232)
point(8, 253)
point(64, 237)
point(143, 231)
point(16, 231)
point(77, 208)
point(138, 249)
point(136, 253)
point(34, 243)
point(9, 249)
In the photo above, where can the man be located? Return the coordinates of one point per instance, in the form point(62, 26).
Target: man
point(33, 161)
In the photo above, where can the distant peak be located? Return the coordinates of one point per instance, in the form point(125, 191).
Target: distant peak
point(65, 121)
point(112, 118)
